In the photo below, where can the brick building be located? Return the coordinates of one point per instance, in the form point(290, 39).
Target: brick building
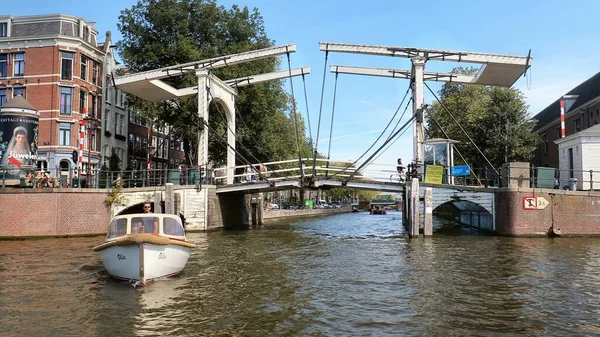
point(54, 61)
point(583, 114)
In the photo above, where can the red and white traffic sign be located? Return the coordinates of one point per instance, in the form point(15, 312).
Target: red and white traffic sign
point(529, 203)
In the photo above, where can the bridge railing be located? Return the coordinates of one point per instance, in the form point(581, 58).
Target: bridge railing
point(103, 179)
point(288, 170)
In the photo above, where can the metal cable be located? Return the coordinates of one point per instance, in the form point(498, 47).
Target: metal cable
point(300, 164)
point(447, 137)
point(226, 144)
point(331, 125)
point(379, 149)
point(224, 117)
point(307, 112)
point(462, 129)
point(381, 134)
point(316, 143)
point(400, 119)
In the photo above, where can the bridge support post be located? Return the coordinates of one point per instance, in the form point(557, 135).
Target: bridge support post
point(418, 66)
point(257, 209)
point(157, 202)
point(413, 225)
point(428, 216)
point(169, 198)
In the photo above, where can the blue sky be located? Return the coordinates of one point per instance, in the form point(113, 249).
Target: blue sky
point(563, 38)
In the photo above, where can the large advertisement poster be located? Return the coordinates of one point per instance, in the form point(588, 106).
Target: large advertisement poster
point(18, 144)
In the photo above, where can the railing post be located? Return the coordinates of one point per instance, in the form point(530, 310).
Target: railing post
point(591, 180)
point(507, 174)
point(485, 176)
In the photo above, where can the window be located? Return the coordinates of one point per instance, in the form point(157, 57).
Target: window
point(131, 117)
point(4, 29)
point(121, 124)
point(3, 65)
point(93, 139)
point(558, 132)
point(2, 96)
point(172, 141)
point(64, 134)
point(83, 101)
point(66, 66)
point(106, 119)
point(130, 143)
point(94, 111)
point(117, 129)
point(108, 90)
point(172, 227)
point(18, 91)
point(145, 144)
point(577, 124)
point(86, 33)
point(118, 227)
point(95, 73)
point(545, 143)
point(137, 145)
point(65, 100)
point(84, 68)
point(118, 97)
point(19, 64)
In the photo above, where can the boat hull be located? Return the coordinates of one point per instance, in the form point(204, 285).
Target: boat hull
point(144, 261)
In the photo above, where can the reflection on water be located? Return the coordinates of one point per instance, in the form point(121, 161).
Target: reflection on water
point(345, 275)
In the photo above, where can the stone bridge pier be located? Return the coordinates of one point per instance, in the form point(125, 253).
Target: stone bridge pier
point(201, 209)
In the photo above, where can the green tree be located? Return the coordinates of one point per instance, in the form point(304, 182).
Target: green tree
point(114, 162)
point(484, 112)
point(159, 33)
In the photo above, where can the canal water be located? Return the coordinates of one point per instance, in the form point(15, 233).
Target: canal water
point(350, 274)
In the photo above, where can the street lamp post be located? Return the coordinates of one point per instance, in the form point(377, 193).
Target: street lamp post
point(91, 123)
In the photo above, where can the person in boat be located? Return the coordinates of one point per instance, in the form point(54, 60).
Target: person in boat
point(149, 226)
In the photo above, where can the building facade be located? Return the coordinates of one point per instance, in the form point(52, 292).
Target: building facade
point(115, 117)
point(581, 115)
point(55, 63)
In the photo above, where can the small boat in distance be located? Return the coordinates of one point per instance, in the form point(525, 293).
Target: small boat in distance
point(146, 246)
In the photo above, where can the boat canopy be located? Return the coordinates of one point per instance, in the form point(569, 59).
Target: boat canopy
point(166, 225)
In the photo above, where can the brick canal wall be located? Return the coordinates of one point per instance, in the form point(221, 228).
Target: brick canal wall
point(65, 212)
point(570, 213)
point(32, 213)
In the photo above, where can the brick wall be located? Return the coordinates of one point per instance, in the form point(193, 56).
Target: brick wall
point(30, 213)
point(574, 213)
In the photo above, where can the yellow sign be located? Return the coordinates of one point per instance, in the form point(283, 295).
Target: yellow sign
point(434, 174)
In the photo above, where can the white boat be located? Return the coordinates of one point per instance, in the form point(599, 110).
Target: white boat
point(143, 247)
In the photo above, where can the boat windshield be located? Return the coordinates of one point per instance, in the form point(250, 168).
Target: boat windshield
point(147, 224)
point(173, 227)
point(117, 228)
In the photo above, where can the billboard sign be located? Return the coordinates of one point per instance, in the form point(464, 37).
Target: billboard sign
point(18, 144)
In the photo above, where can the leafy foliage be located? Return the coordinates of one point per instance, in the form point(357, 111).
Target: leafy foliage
point(168, 32)
point(484, 112)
